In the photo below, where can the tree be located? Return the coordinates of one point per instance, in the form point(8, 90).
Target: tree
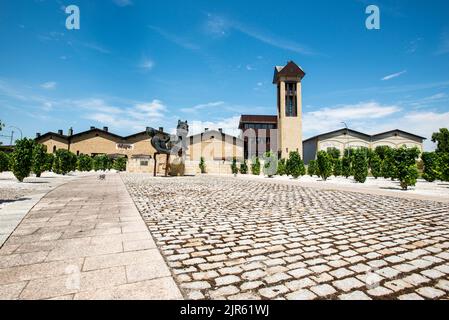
point(443, 163)
point(85, 163)
point(119, 164)
point(234, 167)
point(39, 159)
point(22, 158)
point(334, 153)
point(270, 164)
point(4, 162)
point(346, 169)
point(312, 168)
point(244, 167)
point(389, 169)
point(64, 162)
point(442, 140)
point(376, 165)
point(202, 165)
point(2, 125)
point(101, 162)
point(295, 166)
point(382, 151)
point(255, 166)
point(431, 164)
point(324, 162)
point(360, 165)
point(49, 158)
point(338, 167)
point(282, 170)
point(407, 170)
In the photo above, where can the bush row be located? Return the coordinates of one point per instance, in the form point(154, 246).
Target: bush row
point(29, 156)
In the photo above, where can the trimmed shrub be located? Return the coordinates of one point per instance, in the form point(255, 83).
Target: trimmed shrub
point(101, 162)
point(389, 169)
point(119, 164)
point(312, 168)
point(49, 158)
point(360, 165)
point(376, 165)
point(85, 163)
point(4, 162)
point(22, 158)
point(39, 159)
point(202, 165)
point(334, 153)
point(282, 170)
point(430, 161)
point(346, 169)
point(270, 164)
point(255, 166)
point(324, 162)
point(295, 166)
point(338, 167)
point(234, 167)
point(244, 167)
point(407, 170)
point(64, 162)
point(443, 165)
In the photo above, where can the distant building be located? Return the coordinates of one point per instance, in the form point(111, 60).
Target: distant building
point(348, 138)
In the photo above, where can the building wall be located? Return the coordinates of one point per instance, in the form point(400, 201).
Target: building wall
point(214, 149)
point(57, 142)
point(342, 142)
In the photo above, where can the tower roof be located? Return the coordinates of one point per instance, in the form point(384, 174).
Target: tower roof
point(290, 70)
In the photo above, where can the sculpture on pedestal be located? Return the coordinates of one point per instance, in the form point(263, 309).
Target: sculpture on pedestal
point(167, 144)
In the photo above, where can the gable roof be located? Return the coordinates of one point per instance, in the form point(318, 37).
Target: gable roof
point(369, 137)
point(291, 70)
point(344, 130)
point(398, 131)
point(211, 133)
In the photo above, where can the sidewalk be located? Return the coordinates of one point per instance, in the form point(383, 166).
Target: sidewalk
point(84, 240)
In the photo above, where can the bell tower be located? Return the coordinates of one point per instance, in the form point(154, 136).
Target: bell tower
point(289, 108)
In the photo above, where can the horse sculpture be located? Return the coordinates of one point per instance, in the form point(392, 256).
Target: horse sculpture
point(167, 144)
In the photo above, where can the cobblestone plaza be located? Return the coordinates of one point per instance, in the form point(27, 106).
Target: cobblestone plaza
point(236, 238)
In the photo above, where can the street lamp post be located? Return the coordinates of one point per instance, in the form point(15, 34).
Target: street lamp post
point(12, 133)
point(344, 146)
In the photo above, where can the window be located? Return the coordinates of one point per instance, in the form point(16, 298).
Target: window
point(54, 149)
point(77, 152)
point(143, 163)
point(291, 100)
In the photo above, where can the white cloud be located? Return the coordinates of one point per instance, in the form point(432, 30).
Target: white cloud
point(176, 39)
point(48, 85)
point(219, 26)
point(123, 3)
point(229, 126)
point(202, 106)
point(444, 44)
point(394, 75)
point(147, 64)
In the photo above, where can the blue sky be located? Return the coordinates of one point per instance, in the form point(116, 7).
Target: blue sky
point(137, 63)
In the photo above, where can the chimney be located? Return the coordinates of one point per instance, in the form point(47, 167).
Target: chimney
point(70, 132)
point(92, 128)
point(60, 132)
point(161, 129)
point(220, 130)
point(105, 129)
point(38, 134)
point(206, 129)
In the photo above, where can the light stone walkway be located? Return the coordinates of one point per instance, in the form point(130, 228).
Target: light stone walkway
point(231, 238)
point(84, 240)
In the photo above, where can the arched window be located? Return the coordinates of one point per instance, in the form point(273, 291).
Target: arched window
point(54, 149)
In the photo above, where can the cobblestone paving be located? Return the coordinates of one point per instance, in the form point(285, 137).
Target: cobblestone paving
point(239, 239)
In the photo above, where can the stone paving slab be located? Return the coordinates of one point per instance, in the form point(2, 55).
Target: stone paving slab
point(84, 240)
point(227, 238)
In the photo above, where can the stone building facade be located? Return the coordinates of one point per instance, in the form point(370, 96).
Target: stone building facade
point(346, 138)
